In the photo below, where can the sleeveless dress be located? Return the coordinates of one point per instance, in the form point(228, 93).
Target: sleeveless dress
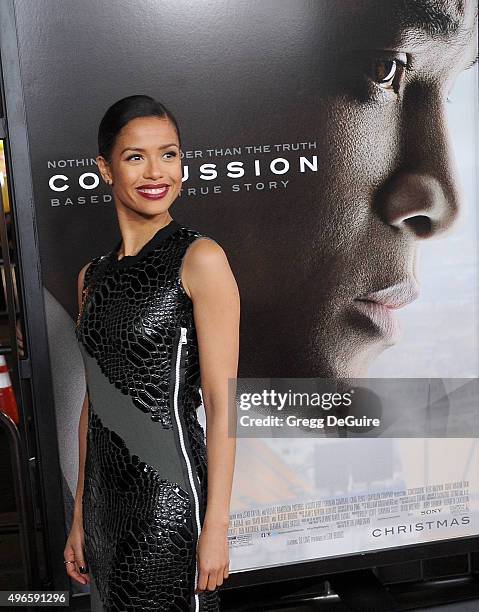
point(145, 482)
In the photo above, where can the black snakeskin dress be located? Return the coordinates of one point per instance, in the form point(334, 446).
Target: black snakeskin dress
point(145, 469)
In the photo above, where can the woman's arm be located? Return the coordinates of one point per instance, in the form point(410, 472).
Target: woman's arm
point(82, 428)
point(83, 423)
point(74, 548)
point(209, 281)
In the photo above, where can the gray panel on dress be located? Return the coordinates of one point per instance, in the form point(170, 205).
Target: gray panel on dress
point(145, 438)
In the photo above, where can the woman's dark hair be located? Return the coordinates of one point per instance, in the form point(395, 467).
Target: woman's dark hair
point(123, 111)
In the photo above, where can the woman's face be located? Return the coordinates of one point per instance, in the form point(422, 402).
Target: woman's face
point(341, 256)
point(145, 166)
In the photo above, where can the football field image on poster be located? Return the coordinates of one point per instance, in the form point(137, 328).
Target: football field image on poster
point(331, 149)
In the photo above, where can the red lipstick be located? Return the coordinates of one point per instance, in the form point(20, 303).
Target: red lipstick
point(153, 191)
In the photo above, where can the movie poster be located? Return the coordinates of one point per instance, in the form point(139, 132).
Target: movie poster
point(330, 148)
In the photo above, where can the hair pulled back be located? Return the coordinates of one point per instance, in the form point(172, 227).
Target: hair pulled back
point(123, 111)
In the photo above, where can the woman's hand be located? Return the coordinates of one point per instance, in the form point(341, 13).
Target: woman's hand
point(213, 557)
point(74, 551)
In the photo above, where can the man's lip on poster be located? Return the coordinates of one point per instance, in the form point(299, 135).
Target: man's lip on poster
point(378, 306)
point(394, 296)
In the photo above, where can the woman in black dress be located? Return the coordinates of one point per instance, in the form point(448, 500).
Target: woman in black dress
point(158, 328)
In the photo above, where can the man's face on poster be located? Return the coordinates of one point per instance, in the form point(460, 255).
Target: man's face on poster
point(328, 269)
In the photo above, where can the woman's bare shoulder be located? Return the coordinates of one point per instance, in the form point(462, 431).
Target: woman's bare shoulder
point(204, 256)
point(205, 262)
point(84, 273)
point(81, 280)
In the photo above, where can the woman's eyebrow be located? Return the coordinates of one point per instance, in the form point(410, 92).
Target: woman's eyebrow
point(165, 146)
